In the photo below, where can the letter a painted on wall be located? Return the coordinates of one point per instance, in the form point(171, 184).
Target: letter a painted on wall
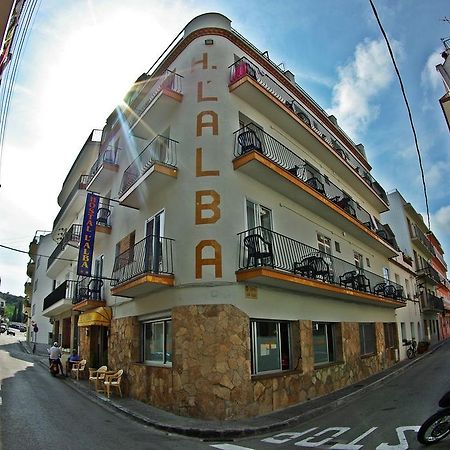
point(88, 235)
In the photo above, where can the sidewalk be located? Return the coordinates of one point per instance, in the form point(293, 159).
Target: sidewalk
point(205, 429)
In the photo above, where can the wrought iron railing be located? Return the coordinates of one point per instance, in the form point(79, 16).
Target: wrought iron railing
point(104, 212)
point(431, 302)
point(428, 271)
point(271, 249)
point(81, 184)
point(244, 67)
point(416, 233)
point(169, 80)
point(89, 288)
point(251, 137)
point(160, 150)
point(66, 290)
point(71, 236)
point(109, 155)
point(153, 254)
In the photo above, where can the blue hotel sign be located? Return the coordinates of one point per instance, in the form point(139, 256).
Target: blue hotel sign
point(86, 252)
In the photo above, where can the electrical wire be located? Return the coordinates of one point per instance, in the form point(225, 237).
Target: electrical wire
point(419, 156)
point(34, 254)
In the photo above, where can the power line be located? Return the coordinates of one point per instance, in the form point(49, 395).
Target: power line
point(34, 254)
point(419, 156)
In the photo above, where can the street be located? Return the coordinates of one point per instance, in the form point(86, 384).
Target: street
point(42, 412)
point(383, 419)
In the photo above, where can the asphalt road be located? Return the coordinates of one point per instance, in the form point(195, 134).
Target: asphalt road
point(40, 412)
point(383, 419)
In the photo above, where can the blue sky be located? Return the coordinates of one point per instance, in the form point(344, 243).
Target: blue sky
point(82, 55)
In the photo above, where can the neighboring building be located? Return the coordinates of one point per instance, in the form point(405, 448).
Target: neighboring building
point(37, 288)
point(444, 70)
point(239, 262)
point(413, 239)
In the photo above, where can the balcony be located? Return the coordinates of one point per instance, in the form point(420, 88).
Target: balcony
point(154, 104)
point(89, 294)
point(73, 204)
point(267, 96)
point(104, 169)
point(103, 226)
point(429, 274)
point(262, 157)
point(33, 248)
point(421, 241)
point(60, 300)
point(28, 289)
point(431, 303)
point(144, 268)
point(31, 266)
point(271, 259)
point(155, 166)
point(65, 252)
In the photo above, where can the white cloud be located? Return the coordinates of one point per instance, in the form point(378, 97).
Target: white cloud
point(440, 220)
point(360, 81)
point(430, 76)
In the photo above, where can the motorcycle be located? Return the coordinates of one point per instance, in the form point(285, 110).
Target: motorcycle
point(437, 426)
point(54, 367)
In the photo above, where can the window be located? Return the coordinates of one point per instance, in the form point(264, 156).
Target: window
point(358, 258)
point(157, 340)
point(324, 342)
point(397, 278)
point(403, 330)
point(390, 335)
point(407, 288)
point(367, 262)
point(324, 243)
point(258, 215)
point(337, 246)
point(367, 338)
point(386, 273)
point(33, 309)
point(413, 332)
point(125, 249)
point(38, 262)
point(35, 285)
point(271, 349)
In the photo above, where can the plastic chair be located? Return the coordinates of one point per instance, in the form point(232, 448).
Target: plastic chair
point(249, 141)
point(96, 376)
point(113, 381)
point(78, 367)
point(258, 249)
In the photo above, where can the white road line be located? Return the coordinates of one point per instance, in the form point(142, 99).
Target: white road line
point(230, 447)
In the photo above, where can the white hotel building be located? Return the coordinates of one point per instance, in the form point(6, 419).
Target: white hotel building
point(239, 256)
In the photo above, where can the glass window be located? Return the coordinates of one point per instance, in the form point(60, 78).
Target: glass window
point(258, 215)
point(358, 258)
point(324, 344)
point(271, 350)
point(413, 331)
point(337, 246)
point(386, 273)
point(157, 339)
point(367, 338)
point(403, 330)
point(324, 243)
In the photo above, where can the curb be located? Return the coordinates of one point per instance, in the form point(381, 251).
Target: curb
point(247, 430)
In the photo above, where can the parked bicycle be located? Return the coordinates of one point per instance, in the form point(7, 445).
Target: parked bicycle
point(411, 351)
point(436, 427)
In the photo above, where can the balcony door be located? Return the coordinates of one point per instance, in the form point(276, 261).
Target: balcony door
point(153, 246)
point(258, 216)
point(97, 291)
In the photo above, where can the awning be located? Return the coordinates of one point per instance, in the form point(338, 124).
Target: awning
point(100, 317)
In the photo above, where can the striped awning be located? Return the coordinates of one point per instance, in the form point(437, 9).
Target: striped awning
point(100, 317)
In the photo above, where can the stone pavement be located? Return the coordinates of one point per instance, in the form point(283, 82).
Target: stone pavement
point(205, 429)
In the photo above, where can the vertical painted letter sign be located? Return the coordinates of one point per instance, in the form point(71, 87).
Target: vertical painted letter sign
point(88, 235)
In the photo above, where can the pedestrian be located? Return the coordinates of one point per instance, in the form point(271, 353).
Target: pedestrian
point(73, 358)
point(55, 356)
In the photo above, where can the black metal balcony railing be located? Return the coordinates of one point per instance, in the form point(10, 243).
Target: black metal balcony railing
point(416, 233)
point(431, 302)
point(79, 185)
point(429, 272)
point(71, 236)
point(66, 290)
point(244, 67)
point(152, 254)
point(271, 249)
point(251, 137)
point(104, 212)
point(109, 155)
point(169, 80)
point(160, 150)
point(89, 288)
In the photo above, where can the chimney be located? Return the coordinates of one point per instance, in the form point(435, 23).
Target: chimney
point(361, 149)
point(290, 76)
point(333, 119)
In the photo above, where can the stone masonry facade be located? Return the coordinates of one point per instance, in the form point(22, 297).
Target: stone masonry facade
point(211, 377)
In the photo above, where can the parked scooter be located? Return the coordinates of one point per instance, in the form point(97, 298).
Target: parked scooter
point(437, 426)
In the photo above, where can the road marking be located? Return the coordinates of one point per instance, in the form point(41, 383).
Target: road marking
point(289, 436)
point(351, 445)
point(230, 447)
point(403, 443)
